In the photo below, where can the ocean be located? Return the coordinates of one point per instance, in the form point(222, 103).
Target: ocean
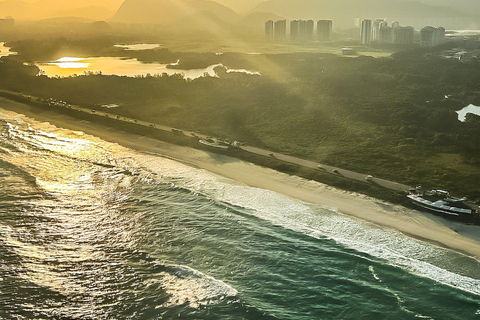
point(92, 230)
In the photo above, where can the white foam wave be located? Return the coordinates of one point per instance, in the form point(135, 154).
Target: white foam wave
point(186, 285)
point(396, 248)
point(399, 250)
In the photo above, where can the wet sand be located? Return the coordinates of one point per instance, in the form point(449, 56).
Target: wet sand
point(457, 236)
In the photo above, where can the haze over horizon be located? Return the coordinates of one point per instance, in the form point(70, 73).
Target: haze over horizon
point(342, 11)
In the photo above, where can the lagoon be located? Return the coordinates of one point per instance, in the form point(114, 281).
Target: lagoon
point(71, 66)
point(5, 51)
point(462, 114)
point(138, 46)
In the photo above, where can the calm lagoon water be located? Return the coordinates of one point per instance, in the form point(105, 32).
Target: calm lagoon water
point(5, 51)
point(92, 230)
point(138, 46)
point(462, 114)
point(69, 66)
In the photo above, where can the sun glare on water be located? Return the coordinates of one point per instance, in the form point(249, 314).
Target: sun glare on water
point(71, 63)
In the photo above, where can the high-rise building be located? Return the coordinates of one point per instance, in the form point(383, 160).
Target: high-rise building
point(430, 36)
point(377, 25)
point(385, 35)
point(294, 30)
point(302, 28)
point(269, 30)
point(366, 32)
point(403, 35)
point(358, 22)
point(324, 30)
point(280, 30)
point(439, 36)
point(309, 30)
point(426, 36)
point(395, 35)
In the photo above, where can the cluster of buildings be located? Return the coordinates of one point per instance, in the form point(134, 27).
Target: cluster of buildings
point(378, 31)
point(299, 30)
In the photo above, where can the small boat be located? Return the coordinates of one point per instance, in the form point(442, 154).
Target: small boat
point(440, 201)
point(214, 144)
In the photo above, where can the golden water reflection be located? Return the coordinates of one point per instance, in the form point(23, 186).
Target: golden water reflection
point(70, 66)
point(5, 51)
point(82, 214)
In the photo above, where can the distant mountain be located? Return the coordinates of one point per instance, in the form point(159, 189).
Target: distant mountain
point(169, 11)
point(259, 18)
point(240, 6)
point(92, 12)
point(466, 6)
point(206, 21)
point(15, 8)
point(65, 20)
point(344, 12)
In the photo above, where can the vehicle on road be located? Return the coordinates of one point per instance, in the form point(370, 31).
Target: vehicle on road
point(212, 143)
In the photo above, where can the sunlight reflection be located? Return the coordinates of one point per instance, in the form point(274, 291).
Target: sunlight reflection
point(69, 59)
point(71, 63)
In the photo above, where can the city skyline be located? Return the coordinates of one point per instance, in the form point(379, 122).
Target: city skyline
point(376, 31)
point(418, 14)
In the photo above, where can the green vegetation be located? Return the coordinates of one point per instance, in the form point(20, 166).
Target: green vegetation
point(390, 117)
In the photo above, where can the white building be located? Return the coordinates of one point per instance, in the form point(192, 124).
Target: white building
point(366, 32)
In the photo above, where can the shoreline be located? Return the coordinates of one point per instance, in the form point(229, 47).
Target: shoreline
point(382, 214)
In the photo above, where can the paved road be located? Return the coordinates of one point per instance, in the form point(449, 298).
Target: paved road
point(263, 152)
point(294, 160)
point(315, 165)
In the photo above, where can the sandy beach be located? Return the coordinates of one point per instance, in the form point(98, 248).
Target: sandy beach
point(457, 236)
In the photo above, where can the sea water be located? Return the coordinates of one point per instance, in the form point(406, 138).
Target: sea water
point(92, 230)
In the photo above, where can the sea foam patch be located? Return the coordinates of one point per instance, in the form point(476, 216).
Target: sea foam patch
point(185, 285)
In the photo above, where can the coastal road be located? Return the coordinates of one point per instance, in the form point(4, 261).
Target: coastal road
point(263, 152)
point(315, 165)
point(258, 151)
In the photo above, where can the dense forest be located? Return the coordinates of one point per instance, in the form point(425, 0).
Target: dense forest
point(390, 117)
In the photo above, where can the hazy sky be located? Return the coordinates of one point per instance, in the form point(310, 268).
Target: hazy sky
point(42, 9)
point(110, 4)
point(240, 6)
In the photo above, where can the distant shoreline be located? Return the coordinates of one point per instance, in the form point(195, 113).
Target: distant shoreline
point(353, 204)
